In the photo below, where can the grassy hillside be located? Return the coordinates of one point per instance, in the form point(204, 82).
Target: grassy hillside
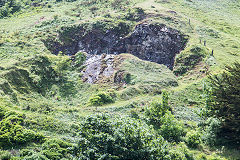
point(143, 110)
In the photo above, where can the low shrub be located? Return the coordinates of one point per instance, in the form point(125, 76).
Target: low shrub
point(171, 129)
point(193, 138)
point(12, 131)
point(101, 99)
point(215, 157)
point(9, 7)
point(157, 109)
point(211, 132)
point(36, 155)
point(80, 58)
point(129, 92)
point(40, 106)
point(56, 149)
point(134, 14)
point(5, 155)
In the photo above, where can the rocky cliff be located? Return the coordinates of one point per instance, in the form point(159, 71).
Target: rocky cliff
point(152, 42)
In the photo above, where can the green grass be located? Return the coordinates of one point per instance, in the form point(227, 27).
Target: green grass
point(148, 72)
point(214, 21)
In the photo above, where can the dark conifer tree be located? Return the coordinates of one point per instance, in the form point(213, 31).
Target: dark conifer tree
point(225, 104)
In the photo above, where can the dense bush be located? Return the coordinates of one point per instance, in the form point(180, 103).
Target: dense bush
point(193, 138)
point(225, 100)
point(184, 149)
point(135, 14)
point(158, 114)
point(61, 64)
point(2, 112)
point(42, 72)
point(211, 128)
point(80, 58)
point(119, 4)
point(157, 109)
point(56, 149)
point(8, 7)
point(101, 99)
point(13, 133)
point(171, 129)
point(125, 138)
point(119, 26)
point(53, 149)
point(5, 155)
point(34, 156)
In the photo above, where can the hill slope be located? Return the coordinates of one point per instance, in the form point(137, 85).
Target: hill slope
point(113, 79)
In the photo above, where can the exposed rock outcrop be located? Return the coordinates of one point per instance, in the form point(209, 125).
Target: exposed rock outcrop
point(98, 67)
point(126, 69)
point(152, 42)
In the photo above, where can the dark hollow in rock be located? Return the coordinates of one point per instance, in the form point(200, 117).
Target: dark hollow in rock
point(152, 42)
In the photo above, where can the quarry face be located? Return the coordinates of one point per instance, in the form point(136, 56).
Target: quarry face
point(155, 43)
point(151, 42)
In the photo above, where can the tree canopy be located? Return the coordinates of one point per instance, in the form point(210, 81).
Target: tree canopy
point(225, 104)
